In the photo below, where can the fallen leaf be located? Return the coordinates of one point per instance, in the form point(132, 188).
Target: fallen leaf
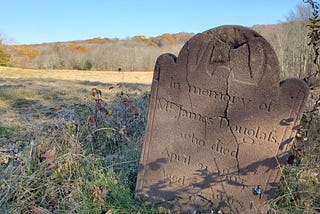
point(291, 159)
point(104, 192)
point(40, 210)
point(4, 158)
point(49, 155)
point(99, 194)
point(135, 110)
point(99, 101)
point(96, 92)
point(307, 203)
point(126, 101)
point(122, 131)
point(93, 119)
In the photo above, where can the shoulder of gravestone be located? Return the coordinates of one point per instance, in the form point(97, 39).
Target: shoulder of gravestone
point(166, 58)
point(295, 84)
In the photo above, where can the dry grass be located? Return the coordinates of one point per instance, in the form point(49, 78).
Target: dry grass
point(64, 148)
point(76, 75)
point(41, 92)
point(54, 158)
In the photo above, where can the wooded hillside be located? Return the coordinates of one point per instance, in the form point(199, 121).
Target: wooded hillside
point(139, 53)
point(132, 54)
point(290, 42)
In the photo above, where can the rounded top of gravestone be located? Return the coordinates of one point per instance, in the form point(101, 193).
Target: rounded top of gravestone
point(250, 58)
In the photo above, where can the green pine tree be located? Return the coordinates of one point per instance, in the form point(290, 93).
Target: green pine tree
point(4, 56)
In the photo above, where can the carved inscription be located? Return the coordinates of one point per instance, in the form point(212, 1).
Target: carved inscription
point(174, 84)
point(171, 178)
point(266, 106)
point(219, 125)
point(177, 157)
point(220, 148)
point(192, 139)
point(181, 112)
point(216, 146)
point(218, 95)
point(249, 134)
point(225, 173)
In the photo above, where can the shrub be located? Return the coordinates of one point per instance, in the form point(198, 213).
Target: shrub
point(4, 56)
point(87, 65)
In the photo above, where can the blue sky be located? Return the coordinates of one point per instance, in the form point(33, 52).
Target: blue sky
point(38, 21)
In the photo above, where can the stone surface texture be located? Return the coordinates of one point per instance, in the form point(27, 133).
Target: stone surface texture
point(219, 126)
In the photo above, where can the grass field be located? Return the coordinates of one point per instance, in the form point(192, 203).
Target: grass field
point(65, 149)
point(70, 143)
point(76, 75)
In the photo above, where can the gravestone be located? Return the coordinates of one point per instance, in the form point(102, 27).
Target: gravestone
point(219, 125)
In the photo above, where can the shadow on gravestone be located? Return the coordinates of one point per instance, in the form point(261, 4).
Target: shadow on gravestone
point(219, 125)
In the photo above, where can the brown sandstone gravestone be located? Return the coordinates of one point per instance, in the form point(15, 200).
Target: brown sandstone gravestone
point(219, 125)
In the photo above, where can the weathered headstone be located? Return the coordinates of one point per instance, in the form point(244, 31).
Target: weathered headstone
point(219, 125)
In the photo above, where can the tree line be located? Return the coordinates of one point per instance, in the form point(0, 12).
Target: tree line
point(291, 43)
point(132, 54)
point(288, 38)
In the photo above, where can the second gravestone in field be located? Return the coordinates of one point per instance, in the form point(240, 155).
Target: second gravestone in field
point(219, 124)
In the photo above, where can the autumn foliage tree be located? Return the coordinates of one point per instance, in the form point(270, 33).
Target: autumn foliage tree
point(137, 53)
point(22, 55)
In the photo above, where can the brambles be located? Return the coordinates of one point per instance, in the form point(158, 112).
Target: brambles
point(115, 123)
point(300, 186)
